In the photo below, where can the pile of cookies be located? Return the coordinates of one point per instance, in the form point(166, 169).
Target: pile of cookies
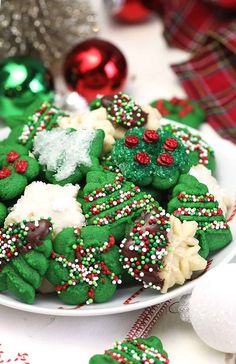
point(105, 199)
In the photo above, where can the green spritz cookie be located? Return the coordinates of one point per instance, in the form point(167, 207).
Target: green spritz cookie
point(84, 266)
point(198, 150)
point(134, 351)
point(191, 201)
point(44, 118)
point(3, 213)
point(149, 157)
point(67, 155)
point(24, 255)
point(187, 112)
point(108, 199)
point(17, 169)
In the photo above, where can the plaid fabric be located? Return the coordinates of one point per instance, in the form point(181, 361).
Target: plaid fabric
point(209, 77)
point(186, 22)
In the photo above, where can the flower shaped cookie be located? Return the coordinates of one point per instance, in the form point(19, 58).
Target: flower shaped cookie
point(149, 157)
point(84, 266)
point(17, 169)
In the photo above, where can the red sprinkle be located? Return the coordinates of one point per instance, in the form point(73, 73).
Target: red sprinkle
point(165, 159)
point(5, 172)
point(142, 158)
point(12, 156)
point(21, 166)
point(171, 144)
point(150, 136)
point(131, 141)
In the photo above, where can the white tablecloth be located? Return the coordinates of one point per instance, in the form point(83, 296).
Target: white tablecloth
point(61, 340)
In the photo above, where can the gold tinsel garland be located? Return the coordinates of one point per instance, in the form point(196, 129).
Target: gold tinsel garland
point(47, 29)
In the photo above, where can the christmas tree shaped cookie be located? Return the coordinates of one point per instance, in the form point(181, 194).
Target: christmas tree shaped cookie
point(24, 251)
point(47, 117)
point(191, 201)
point(149, 157)
point(198, 150)
point(134, 351)
point(67, 155)
point(17, 169)
point(160, 251)
point(108, 199)
point(84, 266)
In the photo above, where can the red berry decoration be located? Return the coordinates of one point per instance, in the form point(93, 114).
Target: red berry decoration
point(142, 158)
point(165, 159)
point(5, 172)
point(143, 165)
point(170, 144)
point(21, 166)
point(131, 141)
point(150, 136)
point(94, 67)
point(12, 156)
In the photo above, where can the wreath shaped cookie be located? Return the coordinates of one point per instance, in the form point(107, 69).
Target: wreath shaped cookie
point(24, 251)
point(84, 266)
point(187, 112)
point(17, 169)
point(149, 157)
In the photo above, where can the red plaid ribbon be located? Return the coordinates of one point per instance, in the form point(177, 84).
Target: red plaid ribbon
point(210, 78)
point(208, 29)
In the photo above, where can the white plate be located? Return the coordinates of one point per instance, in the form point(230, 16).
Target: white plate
point(134, 298)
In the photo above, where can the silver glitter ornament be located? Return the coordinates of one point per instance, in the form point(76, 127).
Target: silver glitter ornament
point(44, 28)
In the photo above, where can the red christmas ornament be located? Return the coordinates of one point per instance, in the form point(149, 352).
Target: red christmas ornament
point(95, 67)
point(128, 11)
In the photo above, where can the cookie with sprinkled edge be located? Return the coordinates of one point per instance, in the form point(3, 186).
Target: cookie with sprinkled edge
point(17, 169)
point(31, 124)
point(3, 213)
point(84, 266)
point(198, 150)
point(134, 351)
point(191, 201)
point(151, 158)
point(160, 251)
point(184, 111)
point(108, 199)
point(66, 155)
point(24, 257)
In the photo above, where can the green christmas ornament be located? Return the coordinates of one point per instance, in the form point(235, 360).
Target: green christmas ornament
point(23, 81)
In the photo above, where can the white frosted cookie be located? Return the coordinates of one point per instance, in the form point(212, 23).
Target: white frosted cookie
point(49, 200)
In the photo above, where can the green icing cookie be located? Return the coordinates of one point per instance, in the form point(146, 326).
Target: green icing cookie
point(24, 254)
point(84, 266)
point(31, 124)
point(17, 169)
point(192, 201)
point(184, 111)
point(3, 213)
point(108, 199)
point(198, 150)
point(149, 157)
point(134, 351)
point(67, 155)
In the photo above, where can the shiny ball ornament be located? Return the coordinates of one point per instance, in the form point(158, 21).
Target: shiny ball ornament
point(128, 11)
point(95, 67)
point(212, 308)
point(23, 81)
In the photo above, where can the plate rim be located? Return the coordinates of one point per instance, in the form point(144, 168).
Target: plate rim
point(178, 291)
